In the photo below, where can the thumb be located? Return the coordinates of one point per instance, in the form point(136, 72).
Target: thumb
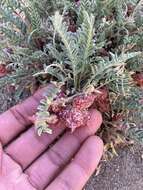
point(0, 159)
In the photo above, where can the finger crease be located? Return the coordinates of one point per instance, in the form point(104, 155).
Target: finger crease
point(18, 116)
point(55, 157)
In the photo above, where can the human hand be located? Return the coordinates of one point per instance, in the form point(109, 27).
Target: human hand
point(29, 162)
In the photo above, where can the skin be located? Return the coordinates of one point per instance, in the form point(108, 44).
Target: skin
point(27, 162)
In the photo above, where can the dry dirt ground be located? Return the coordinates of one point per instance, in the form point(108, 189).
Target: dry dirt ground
point(124, 172)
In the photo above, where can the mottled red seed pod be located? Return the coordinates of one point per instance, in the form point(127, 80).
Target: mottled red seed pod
point(138, 78)
point(40, 42)
point(74, 117)
point(103, 52)
point(102, 102)
point(82, 102)
point(72, 28)
point(117, 117)
point(3, 70)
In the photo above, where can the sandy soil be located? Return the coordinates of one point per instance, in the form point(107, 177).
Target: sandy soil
point(124, 172)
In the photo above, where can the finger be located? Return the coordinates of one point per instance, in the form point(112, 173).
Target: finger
point(76, 174)
point(51, 162)
point(26, 148)
point(9, 169)
point(0, 158)
point(15, 120)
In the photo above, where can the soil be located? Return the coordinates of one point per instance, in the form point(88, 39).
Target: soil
point(124, 172)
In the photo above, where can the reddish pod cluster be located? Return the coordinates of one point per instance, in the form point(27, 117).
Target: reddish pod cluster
point(83, 102)
point(102, 102)
point(3, 70)
point(138, 78)
point(74, 117)
point(76, 114)
point(74, 110)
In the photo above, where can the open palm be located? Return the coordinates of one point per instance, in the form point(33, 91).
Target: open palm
point(29, 162)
